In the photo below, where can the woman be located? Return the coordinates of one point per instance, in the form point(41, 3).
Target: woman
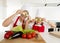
point(23, 18)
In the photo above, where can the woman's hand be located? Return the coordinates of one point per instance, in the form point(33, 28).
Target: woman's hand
point(19, 12)
point(28, 18)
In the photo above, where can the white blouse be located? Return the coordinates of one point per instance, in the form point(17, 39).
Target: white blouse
point(19, 23)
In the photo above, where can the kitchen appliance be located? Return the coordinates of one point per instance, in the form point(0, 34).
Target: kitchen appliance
point(50, 29)
point(58, 26)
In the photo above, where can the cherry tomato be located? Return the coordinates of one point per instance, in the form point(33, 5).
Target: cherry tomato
point(23, 35)
point(33, 34)
point(29, 36)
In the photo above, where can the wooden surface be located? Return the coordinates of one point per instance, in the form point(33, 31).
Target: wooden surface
point(21, 40)
point(56, 34)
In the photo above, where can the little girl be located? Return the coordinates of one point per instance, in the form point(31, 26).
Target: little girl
point(39, 24)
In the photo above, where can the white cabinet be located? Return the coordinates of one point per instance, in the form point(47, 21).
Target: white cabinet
point(40, 1)
point(52, 1)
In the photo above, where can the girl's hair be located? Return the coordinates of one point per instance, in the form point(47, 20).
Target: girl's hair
point(39, 19)
point(36, 23)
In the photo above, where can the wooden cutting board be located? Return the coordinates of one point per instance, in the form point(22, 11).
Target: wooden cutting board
point(21, 40)
point(56, 34)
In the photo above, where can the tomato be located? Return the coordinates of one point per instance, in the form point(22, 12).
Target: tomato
point(8, 34)
point(33, 34)
point(29, 36)
point(23, 35)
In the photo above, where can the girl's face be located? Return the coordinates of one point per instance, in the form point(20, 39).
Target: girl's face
point(39, 20)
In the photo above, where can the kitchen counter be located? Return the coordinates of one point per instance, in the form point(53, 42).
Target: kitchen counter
point(49, 38)
point(56, 34)
point(39, 39)
point(45, 35)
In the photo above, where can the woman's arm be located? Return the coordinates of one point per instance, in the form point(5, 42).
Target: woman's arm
point(9, 20)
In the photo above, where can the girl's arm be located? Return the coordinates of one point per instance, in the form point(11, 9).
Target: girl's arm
point(9, 20)
point(33, 20)
point(53, 25)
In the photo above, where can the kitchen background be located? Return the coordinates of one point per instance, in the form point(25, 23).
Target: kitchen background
point(48, 9)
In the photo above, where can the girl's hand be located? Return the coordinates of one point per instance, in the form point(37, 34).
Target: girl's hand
point(52, 24)
point(44, 19)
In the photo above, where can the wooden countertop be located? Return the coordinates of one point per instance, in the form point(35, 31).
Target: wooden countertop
point(56, 34)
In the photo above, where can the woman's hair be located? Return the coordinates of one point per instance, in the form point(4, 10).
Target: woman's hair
point(26, 11)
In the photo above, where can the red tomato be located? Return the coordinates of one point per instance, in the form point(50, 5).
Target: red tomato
point(8, 34)
point(29, 36)
point(23, 35)
point(33, 34)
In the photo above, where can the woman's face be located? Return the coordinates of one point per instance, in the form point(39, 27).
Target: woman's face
point(24, 14)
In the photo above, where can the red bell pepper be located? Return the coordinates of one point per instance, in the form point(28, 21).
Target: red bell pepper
point(8, 34)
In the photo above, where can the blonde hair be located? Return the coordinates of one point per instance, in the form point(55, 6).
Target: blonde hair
point(26, 11)
point(38, 19)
